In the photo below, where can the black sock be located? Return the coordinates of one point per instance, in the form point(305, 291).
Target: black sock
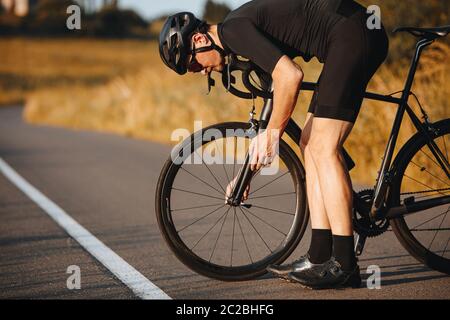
point(344, 252)
point(321, 246)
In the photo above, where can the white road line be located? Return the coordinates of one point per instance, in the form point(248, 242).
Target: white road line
point(132, 278)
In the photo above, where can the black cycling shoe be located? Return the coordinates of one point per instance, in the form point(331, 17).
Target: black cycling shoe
point(327, 276)
point(282, 271)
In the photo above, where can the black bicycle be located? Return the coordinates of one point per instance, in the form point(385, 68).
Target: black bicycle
point(234, 240)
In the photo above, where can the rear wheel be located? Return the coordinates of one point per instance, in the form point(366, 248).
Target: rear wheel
point(419, 176)
point(221, 241)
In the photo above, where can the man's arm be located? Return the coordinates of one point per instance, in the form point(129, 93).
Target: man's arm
point(245, 39)
point(287, 78)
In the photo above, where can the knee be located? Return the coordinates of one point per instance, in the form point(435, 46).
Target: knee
point(323, 153)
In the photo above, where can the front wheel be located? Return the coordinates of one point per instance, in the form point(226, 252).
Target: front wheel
point(222, 241)
point(420, 176)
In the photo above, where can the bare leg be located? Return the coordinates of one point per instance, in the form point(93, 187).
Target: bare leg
point(319, 218)
point(325, 145)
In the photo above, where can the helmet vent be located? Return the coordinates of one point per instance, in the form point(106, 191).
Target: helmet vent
point(166, 52)
point(174, 40)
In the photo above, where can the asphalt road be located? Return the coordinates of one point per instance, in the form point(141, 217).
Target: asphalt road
point(107, 184)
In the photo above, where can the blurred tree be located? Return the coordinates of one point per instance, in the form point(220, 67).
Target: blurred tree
point(111, 3)
point(88, 5)
point(49, 17)
point(112, 22)
point(215, 12)
point(156, 25)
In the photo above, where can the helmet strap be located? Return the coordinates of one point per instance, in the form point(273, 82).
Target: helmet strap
point(213, 46)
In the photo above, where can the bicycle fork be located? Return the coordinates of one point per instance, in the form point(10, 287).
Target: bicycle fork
point(245, 174)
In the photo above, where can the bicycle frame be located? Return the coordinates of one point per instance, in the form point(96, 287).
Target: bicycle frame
point(385, 174)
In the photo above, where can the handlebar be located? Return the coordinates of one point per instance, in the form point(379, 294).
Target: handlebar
point(247, 68)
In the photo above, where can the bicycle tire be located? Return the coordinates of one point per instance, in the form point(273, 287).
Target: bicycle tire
point(221, 272)
point(399, 226)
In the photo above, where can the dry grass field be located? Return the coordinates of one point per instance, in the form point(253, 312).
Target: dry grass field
point(30, 65)
point(122, 87)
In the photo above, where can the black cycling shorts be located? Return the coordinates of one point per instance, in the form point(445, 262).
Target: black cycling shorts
point(354, 54)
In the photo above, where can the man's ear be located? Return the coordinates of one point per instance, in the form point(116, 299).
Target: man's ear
point(199, 39)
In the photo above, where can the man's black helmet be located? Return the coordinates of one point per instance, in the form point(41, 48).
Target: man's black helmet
point(175, 40)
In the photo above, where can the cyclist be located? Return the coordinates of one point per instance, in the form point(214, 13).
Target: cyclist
point(271, 33)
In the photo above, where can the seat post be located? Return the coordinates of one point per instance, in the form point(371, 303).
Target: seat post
point(424, 42)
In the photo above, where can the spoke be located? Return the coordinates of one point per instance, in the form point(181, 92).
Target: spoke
point(445, 145)
point(220, 232)
point(190, 208)
point(435, 234)
point(255, 229)
point(232, 239)
point(200, 194)
point(254, 191)
point(426, 170)
point(202, 180)
point(224, 169)
point(429, 195)
point(440, 157)
point(431, 189)
point(207, 167)
point(445, 249)
point(421, 224)
point(264, 221)
point(201, 218)
point(243, 236)
point(437, 164)
point(209, 230)
point(274, 195)
point(270, 209)
point(432, 160)
point(223, 163)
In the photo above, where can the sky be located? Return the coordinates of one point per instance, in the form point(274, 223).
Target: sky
point(153, 8)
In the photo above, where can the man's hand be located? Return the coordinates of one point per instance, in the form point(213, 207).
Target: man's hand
point(264, 148)
point(230, 188)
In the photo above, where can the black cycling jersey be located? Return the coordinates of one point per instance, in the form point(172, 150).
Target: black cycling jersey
point(265, 30)
point(334, 31)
